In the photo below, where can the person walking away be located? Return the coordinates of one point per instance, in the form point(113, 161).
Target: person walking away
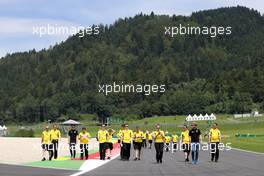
point(109, 143)
point(138, 140)
point(45, 142)
point(149, 136)
point(55, 137)
point(127, 136)
point(174, 140)
point(84, 138)
point(144, 143)
point(185, 141)
point(119, 135)
point(196, 139)
point(167, 141)
point(72, 140)
point(159, 137)
point(214, 139)
point(102, 138)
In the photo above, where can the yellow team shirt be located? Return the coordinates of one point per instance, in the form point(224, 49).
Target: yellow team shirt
point(55, 134)
point(110, 137)
point(103, 136)
point(150, 136)
point(45, 137)
point(167, 139)
point(144, 135)
point(138, 136)
point(174, 138)
point(185, 137)
point(215, 135)
point(84, 137)
point(127, 136)
point(159, 138)
point(119, 134)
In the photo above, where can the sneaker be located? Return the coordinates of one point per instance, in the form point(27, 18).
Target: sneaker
point(135, 159)
point(108, 157)
point(138, 158)
point(43, 159)
point(193, 162)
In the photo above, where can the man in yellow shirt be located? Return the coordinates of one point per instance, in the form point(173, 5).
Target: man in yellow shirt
point(109, 142)
point(185, 141)
point(55, 136)
point(167, 141)
point(84, 138)
point(138, 140)
point(102, 138)
point(127, 136)
point(144, 142)
point(214, 139)
point(174, 140)
point(45, 142)
point(119, 135)
point(149, 137)
point(159, 138)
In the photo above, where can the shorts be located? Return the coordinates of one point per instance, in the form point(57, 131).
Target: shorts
point(109, 145)
point(150, 141)
point(119, 141)
point(137, 145)
point(186, 147)
point(45, 146)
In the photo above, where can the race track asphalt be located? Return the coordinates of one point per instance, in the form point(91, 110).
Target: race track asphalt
point(231, 163)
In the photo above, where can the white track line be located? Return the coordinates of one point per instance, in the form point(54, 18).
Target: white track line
point(258, 153)
point(92, 164)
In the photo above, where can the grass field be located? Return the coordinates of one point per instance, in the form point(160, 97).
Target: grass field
point(227, 124)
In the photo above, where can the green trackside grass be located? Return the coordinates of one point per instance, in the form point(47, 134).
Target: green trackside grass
point(227, 124)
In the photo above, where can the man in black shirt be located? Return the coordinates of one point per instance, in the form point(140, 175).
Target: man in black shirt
point(73, 133)
point(196, 138)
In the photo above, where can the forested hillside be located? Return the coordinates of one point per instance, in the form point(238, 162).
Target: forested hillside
point(202, 74)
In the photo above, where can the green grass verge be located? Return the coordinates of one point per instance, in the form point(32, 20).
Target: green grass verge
point(228, 125)
point(66, 164)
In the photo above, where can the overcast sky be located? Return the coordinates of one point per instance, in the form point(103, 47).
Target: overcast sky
point(18, 17)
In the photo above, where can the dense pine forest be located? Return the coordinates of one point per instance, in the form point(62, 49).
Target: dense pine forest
point(224, 74)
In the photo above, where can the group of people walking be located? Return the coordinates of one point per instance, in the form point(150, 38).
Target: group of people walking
point(190, 141)
point(50, 142)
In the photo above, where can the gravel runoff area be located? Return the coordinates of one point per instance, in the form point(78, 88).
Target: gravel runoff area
point(18, 150)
